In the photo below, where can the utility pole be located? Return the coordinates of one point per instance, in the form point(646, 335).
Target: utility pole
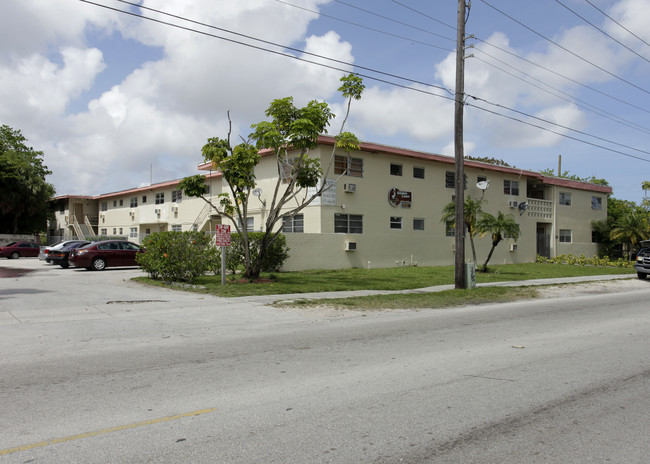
point(459, 263)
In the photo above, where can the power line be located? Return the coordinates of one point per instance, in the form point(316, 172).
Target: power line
point(565, 49)
point(425, 15)
point(617, 23)
point(365, 27)
point(423, 91)
point(603, 32)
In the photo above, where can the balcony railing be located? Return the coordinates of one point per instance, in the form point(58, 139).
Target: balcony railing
point(542, 209)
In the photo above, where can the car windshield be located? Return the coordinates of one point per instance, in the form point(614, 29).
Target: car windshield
point(644, 251)
point(11, 244)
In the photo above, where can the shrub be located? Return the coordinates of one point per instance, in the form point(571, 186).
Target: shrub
point(276, 253)
point(582, 260)
point(177, 256)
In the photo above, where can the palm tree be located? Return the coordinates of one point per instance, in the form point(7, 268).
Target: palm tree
point(472, 213)
point(632, 228)
point(503, 225)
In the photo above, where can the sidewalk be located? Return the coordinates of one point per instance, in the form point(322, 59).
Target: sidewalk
point(270, 299)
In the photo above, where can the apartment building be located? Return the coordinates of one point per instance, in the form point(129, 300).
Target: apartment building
point(383, 209)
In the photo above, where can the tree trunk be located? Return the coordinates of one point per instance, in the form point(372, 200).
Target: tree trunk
point(485, 268)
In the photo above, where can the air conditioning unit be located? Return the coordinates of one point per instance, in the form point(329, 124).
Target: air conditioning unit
point(174, 209)
point(157, 211)
point(350, 246)
point(350, 188)
point(132, 213)
point(512, 204)
point(513, 247)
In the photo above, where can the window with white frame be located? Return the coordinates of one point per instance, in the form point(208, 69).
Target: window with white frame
point(596, 203)
point(395, 222)
point(160, 198)
point(250, 224)
point(134, 202)
point(133, 232)
point(177, 196)
point(144, 199)
point(565, 235)
point(510, 187)
point(344, 164)
point(286, 168)
point(177, 228)
point(121, 231)
point(293, 224)
point(418, 224)
point(104, 206)
point(565, 198)
point(348, 223)
point(103, 232)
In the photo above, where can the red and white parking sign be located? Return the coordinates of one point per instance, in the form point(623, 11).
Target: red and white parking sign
point(222, 235)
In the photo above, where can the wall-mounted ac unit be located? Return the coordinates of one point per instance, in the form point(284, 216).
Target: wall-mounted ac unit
point(157, 211)
point(132, 213)
point(174, 209)
point(512, 204)
point(350, 188)
point(350, 246)
point(513, 247)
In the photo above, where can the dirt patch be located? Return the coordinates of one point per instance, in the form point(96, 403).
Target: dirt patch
point(592, 288)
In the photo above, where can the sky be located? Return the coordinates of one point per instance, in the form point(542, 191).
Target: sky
point(117, 100)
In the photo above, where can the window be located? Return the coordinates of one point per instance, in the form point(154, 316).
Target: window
point(594, 236)
point(121, 231)
point(450, 230)
point(121, 202)
point(418, 172)
point(103, 232)
point(177, 228)
point(160, 198)
point(114, 231)
point(348, 223)
point(286, 169)
point(133, 232)
point(134, 202)
point(114, 203)
point(565, 235)
point(293, 224)
point(510, 187)
point(61, 207)
point(565, 198)
point(596, 203)
point(250, 224)
point(481, 179)
point(104, 206)
point(144, 199)
point(344, 164)
point(177, 196)
point(395, 169)
point(418, 224)
point(450, 180)
point(395, 222)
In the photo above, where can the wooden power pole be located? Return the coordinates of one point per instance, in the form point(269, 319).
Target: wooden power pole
point(459, 263)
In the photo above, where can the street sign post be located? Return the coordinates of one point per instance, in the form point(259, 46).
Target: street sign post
point(222, 237)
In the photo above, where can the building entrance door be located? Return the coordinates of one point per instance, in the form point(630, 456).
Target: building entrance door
point(543, 240)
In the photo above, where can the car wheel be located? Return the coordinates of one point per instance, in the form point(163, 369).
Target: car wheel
point(98, 264)
point(64, 265)
point(15, 255)
point(641, 275)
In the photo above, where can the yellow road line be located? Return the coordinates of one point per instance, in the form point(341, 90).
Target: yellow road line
point(104, 431)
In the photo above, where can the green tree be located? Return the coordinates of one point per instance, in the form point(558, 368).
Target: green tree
point(24, 193)
point(567, 175)
point(499, 226)
point(616, 210)
point(631, 228)
point(471, 215)
point(289, 130)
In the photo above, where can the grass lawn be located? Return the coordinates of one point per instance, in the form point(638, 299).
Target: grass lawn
point(386, 279)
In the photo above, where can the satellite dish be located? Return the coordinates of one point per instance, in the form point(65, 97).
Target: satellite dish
point(523, 206)
point(257, 191)
point(483, 185)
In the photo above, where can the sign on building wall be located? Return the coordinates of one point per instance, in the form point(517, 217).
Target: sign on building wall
point(222, 235)
point(328, 197)
point(400, 198)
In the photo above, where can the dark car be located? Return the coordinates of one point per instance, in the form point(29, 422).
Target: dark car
point(61, 255)
point(642, 264)
point(16, 250)
point(45, 250)
point(109, 253)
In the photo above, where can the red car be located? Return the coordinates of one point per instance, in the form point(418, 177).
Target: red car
point(100, 255)
point(17, 249)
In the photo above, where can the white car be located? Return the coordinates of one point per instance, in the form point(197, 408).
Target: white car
point(57, 246)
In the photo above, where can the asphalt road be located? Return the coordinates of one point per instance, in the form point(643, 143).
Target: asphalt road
point(97, 369)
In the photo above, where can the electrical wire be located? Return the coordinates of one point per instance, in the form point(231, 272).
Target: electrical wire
point(565, 49)
point(410, 88)
point(617, 23)
point(603, 32)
